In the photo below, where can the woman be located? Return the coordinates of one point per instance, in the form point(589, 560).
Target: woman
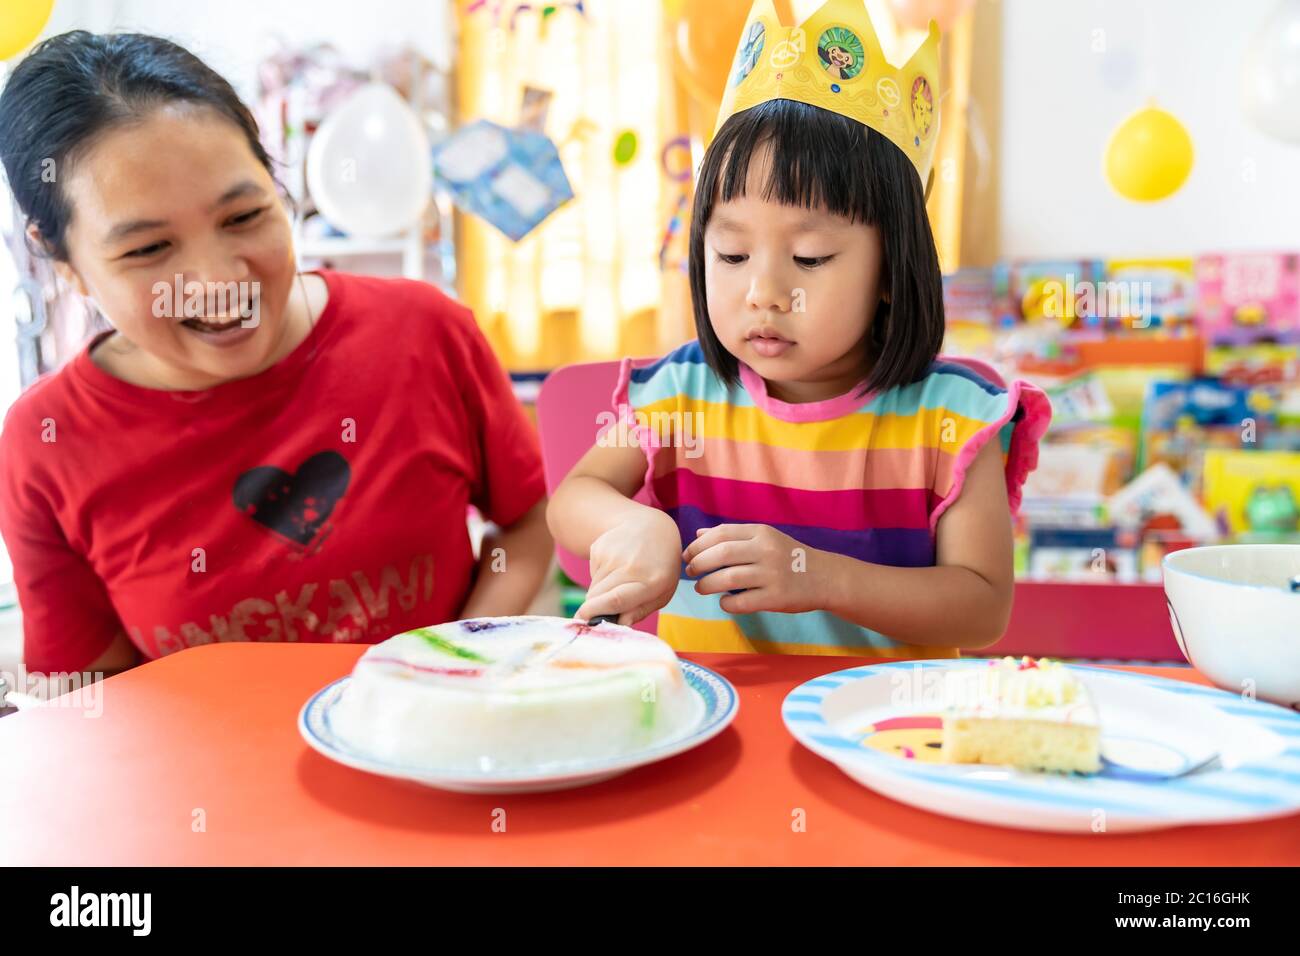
point(250, 453)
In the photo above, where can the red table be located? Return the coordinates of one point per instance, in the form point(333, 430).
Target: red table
point(196, 759)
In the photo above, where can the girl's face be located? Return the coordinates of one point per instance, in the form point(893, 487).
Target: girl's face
point(180, 197)
point(791, 291)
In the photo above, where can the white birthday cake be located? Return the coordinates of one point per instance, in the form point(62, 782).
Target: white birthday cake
point(1029, 714)
point(513, 694)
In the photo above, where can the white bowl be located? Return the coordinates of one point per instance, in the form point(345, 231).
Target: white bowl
point(1236, 618)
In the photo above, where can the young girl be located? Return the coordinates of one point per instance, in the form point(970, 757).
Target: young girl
point(818, 481)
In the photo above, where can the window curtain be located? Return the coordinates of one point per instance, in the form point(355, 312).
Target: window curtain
point(603, 276)
point(587, 284)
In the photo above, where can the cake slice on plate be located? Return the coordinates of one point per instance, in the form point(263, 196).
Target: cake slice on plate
point(1028, 714)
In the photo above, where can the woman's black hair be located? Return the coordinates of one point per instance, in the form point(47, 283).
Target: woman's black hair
point(823, 159)
point(76, 86)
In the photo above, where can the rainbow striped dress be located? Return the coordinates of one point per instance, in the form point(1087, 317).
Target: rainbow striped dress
point(863, 475)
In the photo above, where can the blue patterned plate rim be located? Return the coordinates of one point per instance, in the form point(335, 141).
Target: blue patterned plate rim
point(718, 696)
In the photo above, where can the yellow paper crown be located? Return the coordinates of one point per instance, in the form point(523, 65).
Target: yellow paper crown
point(833, 60)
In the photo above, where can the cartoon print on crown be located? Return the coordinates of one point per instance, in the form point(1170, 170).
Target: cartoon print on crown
point(750, 49)
point(922, 107)
point(841, 53)
point(296, 506)
point(833, 60)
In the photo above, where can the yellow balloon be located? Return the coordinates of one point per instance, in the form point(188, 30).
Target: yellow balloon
point(21, 22)
point(1149, 155)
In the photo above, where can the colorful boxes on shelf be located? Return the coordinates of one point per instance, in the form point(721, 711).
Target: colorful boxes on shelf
point(1249, 297)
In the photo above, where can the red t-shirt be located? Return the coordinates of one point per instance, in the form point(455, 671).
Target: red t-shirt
point(324, 499)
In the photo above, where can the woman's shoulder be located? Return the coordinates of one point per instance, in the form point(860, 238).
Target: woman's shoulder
point(386, 301)
point(33, 422)
point(37, 408)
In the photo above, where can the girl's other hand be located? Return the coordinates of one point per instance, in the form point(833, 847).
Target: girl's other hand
point(635, 567)
point(770, 570)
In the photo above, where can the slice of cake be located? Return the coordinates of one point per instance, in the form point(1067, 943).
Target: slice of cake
point(1028, 714)
point(513, 693)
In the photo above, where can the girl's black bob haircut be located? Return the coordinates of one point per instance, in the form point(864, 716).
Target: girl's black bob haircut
point(823, 159)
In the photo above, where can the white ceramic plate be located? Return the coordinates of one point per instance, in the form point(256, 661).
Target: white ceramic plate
point(718, 705)
point(867, 719)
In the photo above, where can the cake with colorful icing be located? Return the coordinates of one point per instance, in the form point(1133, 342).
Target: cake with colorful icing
point(513, 694)
point(1029, 714)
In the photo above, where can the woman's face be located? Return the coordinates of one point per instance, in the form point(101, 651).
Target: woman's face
point(791, 291)
point(179, 200)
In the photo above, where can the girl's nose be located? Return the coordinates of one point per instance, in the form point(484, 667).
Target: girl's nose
point(766, 294)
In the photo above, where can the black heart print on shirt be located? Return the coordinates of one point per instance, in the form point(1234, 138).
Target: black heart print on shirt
point(296, 505)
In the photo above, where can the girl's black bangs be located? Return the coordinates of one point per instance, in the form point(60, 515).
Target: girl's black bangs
point(818, 159)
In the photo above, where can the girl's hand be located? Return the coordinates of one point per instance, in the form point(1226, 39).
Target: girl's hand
point(635, 566)
point(776, 572)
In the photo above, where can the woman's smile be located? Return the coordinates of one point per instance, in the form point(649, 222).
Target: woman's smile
point(222, 334)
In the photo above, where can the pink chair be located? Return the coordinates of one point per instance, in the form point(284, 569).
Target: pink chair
point(568, 409)
point(568, 406)
point(1123, 621)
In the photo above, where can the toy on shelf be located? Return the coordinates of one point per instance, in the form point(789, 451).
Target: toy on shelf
point(1060, 292)
point(1256, 493)
point(1082, 554)
point(1258, 363)
point(1073, 471)
point(1081, 461)
point(1127, 387)
point(1162, 514)
point(970, 311)
point(1175, 389)
point(1249, 297)
point(1182, 419)
point(1078, 401)
point(1149, 293)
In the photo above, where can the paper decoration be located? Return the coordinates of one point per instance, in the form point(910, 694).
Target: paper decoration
point(511, 178)
point(625, 148)
point(533, 108)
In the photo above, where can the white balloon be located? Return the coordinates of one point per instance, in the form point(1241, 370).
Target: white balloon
point(1271, 76)
point(369, 166)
